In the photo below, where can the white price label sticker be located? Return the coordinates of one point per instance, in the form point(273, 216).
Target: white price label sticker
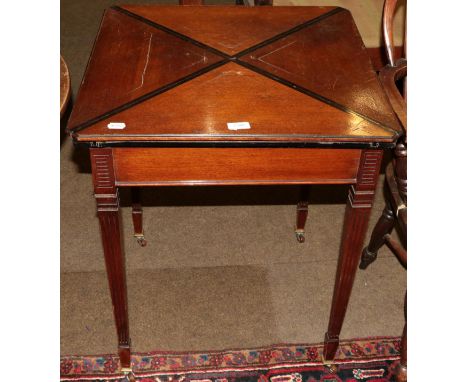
point(116, 125)
point(238, 125)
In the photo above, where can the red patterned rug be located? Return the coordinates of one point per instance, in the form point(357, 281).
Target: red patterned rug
point(370, 359)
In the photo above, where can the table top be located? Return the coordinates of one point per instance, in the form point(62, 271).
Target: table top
point(64, 85)
point(181, 74)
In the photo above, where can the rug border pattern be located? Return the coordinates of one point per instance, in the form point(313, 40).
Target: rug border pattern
point(158, 363)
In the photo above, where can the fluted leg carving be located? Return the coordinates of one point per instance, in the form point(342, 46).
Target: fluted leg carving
point(360, 199)
point(107, 200)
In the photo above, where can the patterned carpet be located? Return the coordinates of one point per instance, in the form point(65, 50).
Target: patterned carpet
point(370, 359)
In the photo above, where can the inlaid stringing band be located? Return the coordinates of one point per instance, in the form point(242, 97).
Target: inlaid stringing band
point(226, 58)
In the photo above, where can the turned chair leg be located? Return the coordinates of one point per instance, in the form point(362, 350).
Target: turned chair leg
point(302, 211)
point(401, 372)
point(383, 227)
point(137, 216)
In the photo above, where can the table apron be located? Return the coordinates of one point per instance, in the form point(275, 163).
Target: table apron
point(232, 166)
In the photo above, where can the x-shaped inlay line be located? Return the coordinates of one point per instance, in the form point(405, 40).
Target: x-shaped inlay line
point(226, 58)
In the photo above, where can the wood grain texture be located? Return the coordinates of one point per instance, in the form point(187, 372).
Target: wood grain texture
point(204, 166)
point(230, 29)
point(129, 59)
point(329, 58)
point(200, 109)
point(165, 86)
point(368, 17)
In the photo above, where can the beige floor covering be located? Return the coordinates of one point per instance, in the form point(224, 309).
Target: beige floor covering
point(222, 268)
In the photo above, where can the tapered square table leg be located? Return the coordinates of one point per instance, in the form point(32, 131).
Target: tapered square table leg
point(107, 200)
point(358, 208)
point(137, 216)
point(302, 211)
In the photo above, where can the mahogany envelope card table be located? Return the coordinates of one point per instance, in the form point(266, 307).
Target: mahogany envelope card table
point(226, 95)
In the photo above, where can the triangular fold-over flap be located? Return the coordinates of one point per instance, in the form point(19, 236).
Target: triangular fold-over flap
point(131, 59)
point(329, 59)
point(232, 93)
point(229, 29)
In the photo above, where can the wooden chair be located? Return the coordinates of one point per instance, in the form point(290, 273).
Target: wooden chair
point(393, 79)
point(302, 206)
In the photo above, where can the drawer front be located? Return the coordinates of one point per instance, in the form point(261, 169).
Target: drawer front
point(210, 166)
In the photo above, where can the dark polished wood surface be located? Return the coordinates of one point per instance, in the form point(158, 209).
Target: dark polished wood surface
point(378, 56)
point(227, 166)
point(230, 29)
point(358, 208)
point(329, 58)
point(65, 87)
point(201, 108)
point(130, 59)
point(183, 73)
point(179, 74)
point(107, 201)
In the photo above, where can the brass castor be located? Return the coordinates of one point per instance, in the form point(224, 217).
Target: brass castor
point(401, 373)
point(300, 236)
point(141, 241)
point(129, 376)
point(332, 368)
